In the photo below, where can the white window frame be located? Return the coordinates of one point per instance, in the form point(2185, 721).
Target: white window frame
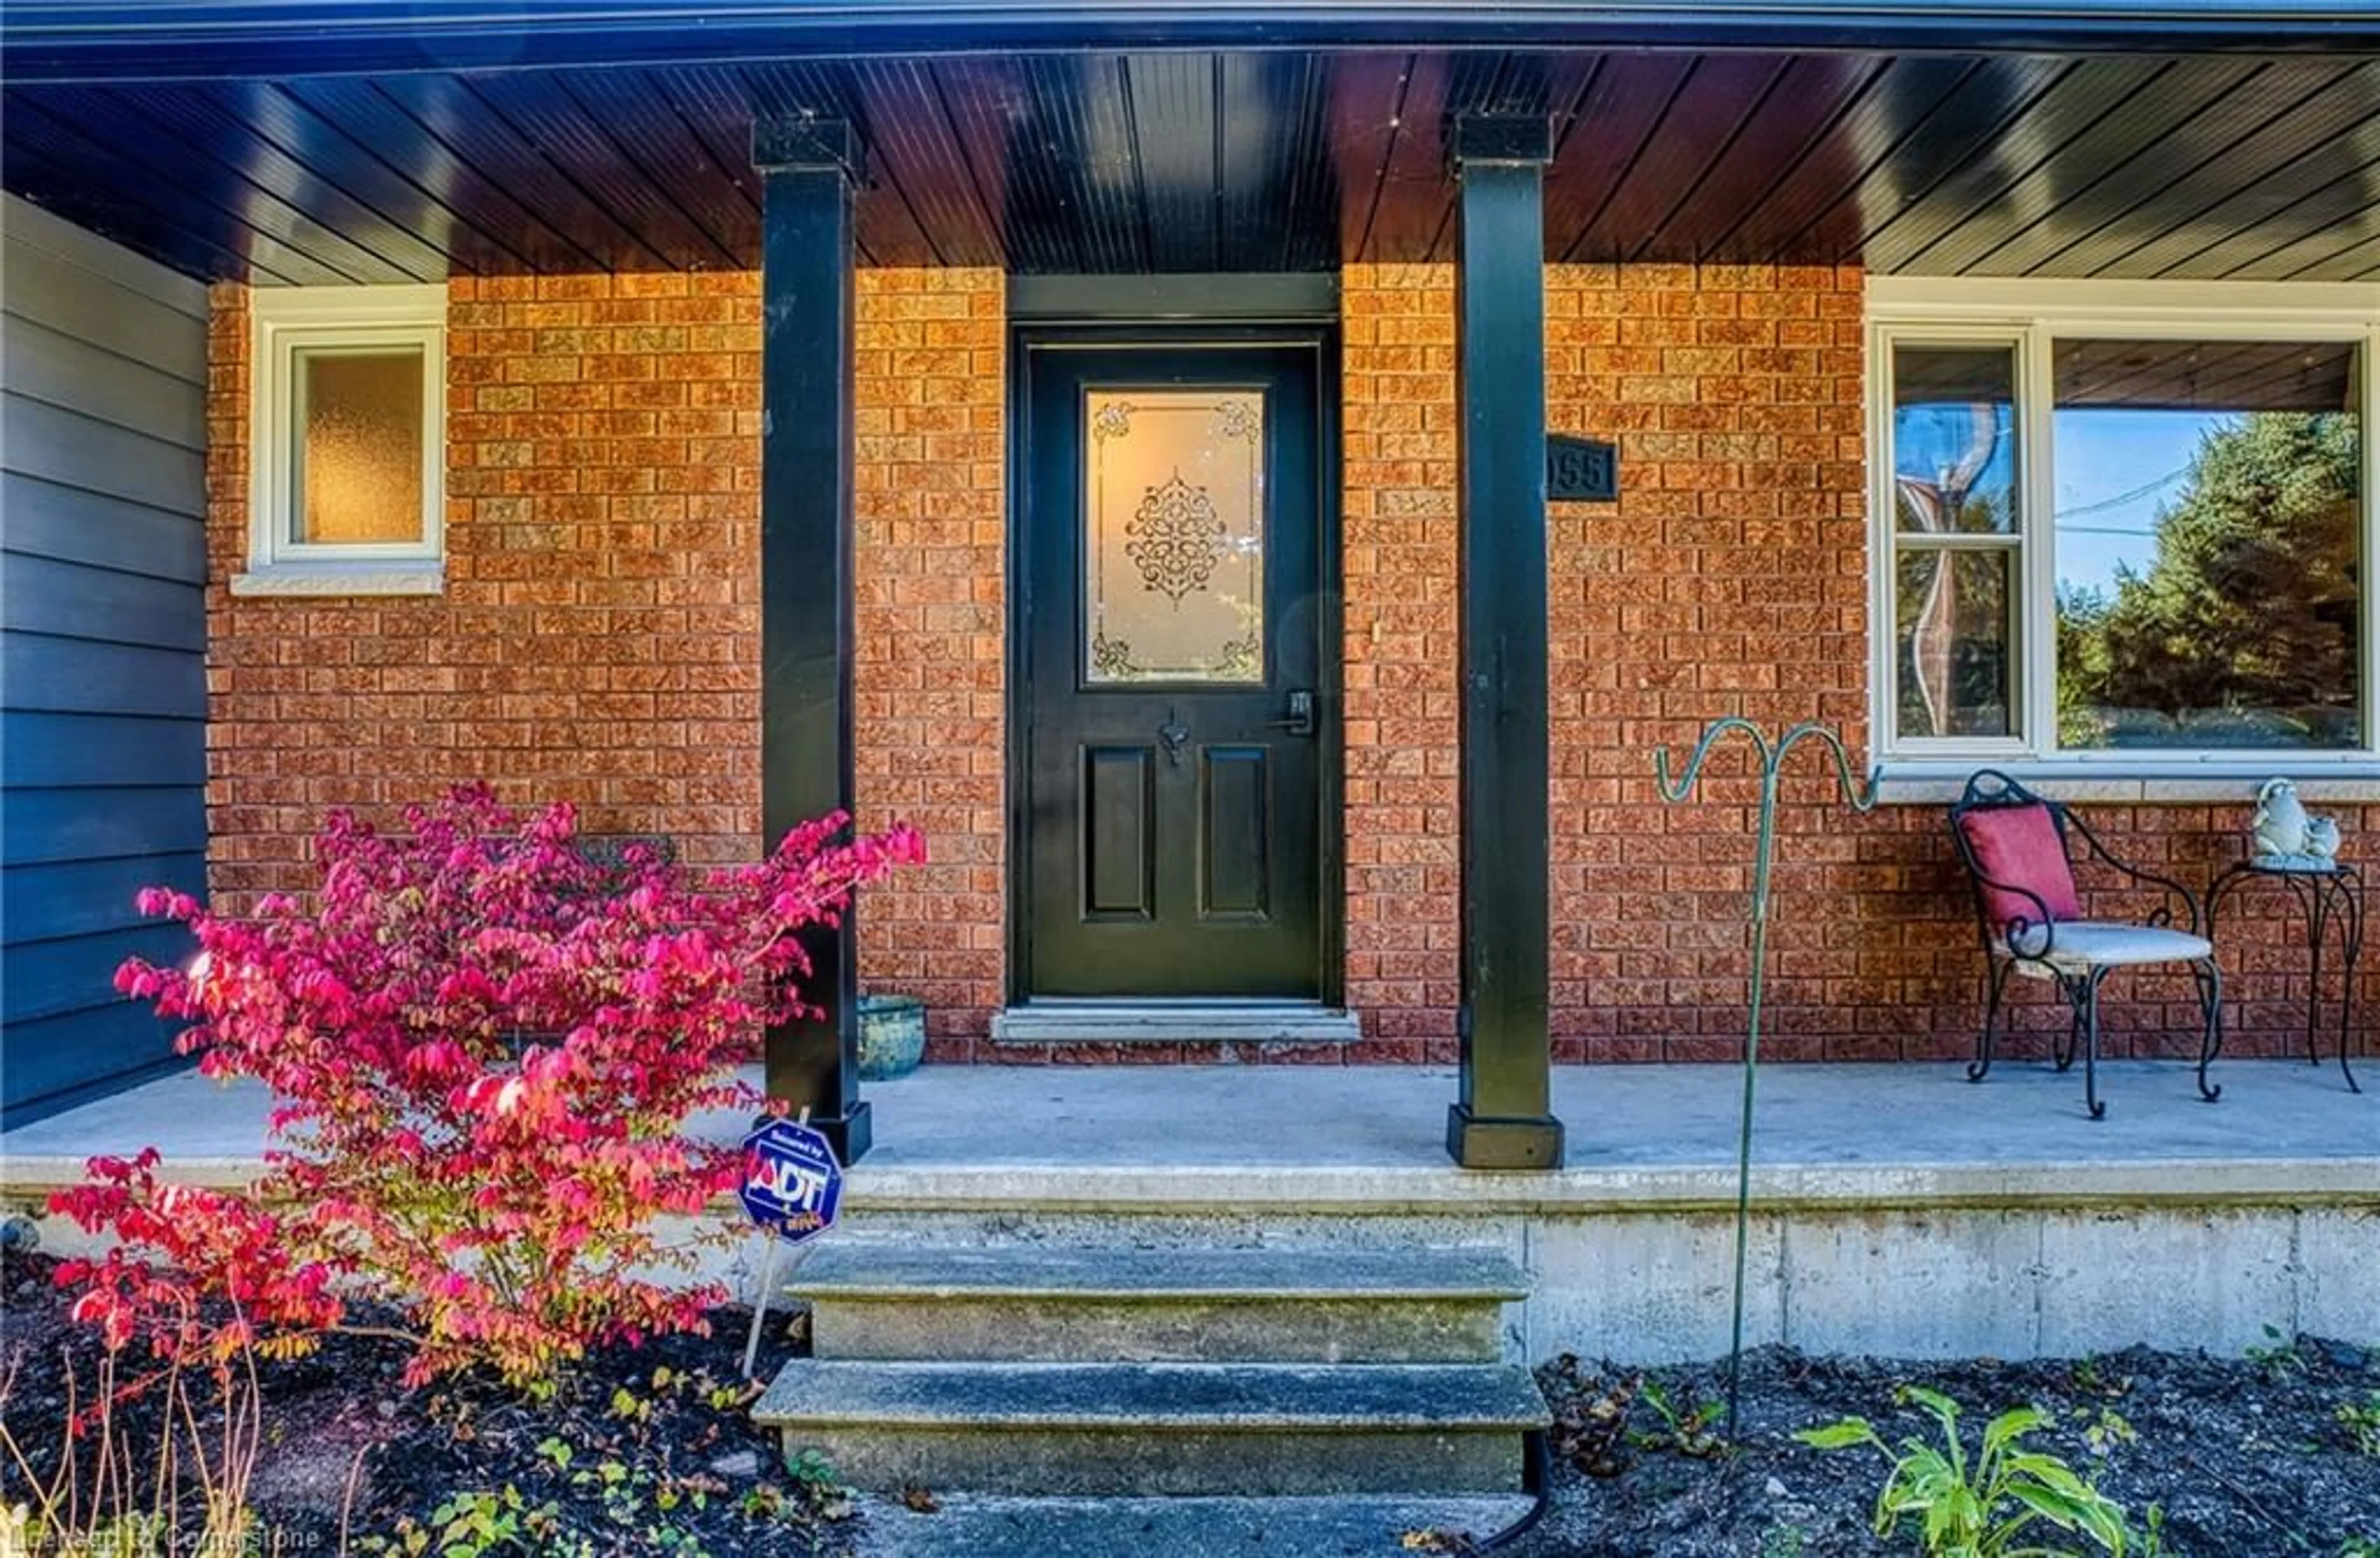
point(2032, 316)
point(285, 322)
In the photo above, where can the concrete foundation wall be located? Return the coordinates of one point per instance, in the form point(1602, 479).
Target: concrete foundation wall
point(1911, 1282)
point(1652, 1287)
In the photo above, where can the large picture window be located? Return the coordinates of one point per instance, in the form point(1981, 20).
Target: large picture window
point(2108, 535)
point(2210, 544)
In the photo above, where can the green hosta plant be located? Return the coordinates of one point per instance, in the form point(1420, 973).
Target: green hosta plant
point(2362, 1423)
point(1983, 1506)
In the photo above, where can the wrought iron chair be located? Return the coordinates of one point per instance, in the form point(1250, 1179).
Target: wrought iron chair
point(2018, 850)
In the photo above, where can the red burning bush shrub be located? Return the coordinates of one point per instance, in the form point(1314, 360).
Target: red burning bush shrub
point(484, 1052)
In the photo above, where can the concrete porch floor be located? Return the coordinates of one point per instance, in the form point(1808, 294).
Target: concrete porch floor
point(1311, 1136)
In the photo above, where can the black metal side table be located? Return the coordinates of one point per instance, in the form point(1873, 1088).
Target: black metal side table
point(2327, 895)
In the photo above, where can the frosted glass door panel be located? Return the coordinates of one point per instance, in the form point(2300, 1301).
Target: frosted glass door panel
point(1173, 516)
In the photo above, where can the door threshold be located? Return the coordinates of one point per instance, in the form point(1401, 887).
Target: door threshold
point(1078, 1021)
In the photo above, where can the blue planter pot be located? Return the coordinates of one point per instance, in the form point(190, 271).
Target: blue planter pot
point(892, 1036)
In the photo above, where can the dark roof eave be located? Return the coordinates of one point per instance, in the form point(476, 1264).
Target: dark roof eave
point(197, 38)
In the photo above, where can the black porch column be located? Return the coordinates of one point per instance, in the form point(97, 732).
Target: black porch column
point(807, 169)
point(1504, 1117)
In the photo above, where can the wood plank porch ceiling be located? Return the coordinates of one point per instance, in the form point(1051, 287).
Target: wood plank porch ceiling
point(2200, 167)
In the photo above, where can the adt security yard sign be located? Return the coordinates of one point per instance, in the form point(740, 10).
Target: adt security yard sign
point(792, 1188)
point(792, 1181)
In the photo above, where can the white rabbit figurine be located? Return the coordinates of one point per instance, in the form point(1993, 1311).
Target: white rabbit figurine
point(2281, 824)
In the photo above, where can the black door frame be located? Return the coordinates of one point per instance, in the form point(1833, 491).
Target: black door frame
point(1028, 335)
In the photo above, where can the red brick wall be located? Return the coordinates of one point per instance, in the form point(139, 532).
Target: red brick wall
point(932, 616)
point(598, 638)
point(1731, 578)
point(1728, 578)
point(598, 641)
point(1398, 477)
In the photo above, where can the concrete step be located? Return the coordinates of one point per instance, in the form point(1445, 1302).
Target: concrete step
point(1035, 1303)
point(1161, 1428)
point(970, 1526)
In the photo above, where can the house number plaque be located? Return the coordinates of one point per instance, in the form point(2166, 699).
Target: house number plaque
point(1581, 469)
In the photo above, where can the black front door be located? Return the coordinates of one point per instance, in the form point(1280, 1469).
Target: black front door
point(1176, 710)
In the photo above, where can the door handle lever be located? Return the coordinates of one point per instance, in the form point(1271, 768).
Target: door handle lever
point(1299, 721)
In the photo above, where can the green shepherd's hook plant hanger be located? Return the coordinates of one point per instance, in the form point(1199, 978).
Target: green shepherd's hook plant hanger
point(1772, 763)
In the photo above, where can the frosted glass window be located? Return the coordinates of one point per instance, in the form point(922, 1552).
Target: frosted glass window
point(358, 447)
point(1173, 541)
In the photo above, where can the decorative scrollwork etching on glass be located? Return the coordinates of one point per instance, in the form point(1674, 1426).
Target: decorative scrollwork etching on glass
point(1242, 660)
point(1176, 538)
point(1110, 658)
point(1113, 421)
point(1173, 516)
point(1237, 418)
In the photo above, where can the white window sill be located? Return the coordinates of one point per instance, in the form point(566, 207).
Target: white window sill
point(315, 580)
point(2146, 780)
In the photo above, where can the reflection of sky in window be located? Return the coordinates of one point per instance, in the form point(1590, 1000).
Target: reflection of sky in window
point(2117, 471)
point(1930, 439)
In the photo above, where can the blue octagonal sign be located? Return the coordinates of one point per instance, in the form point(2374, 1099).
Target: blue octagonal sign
point(792, 1181)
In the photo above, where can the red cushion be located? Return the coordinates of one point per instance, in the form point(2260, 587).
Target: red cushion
point(2019, 845)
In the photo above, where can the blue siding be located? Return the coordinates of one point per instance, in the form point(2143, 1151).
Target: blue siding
point(62, 750)
point(54, 1070)
point(102, 639)
point(75, 898)
point(120, 822)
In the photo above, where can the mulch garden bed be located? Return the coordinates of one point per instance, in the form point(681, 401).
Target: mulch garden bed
point(649, 1450)
point(643, 1450)
point(2247, 1457)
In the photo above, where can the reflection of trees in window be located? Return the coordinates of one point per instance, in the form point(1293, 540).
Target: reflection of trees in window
point(1947, 684)
point(2243, 629)
point(1953, 614)
point(1956, 539)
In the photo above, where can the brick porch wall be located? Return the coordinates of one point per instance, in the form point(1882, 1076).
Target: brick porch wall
point(599, 638)
point(597, 642)
point(1731, 578)
point(1397, 515)
point(930, 680)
